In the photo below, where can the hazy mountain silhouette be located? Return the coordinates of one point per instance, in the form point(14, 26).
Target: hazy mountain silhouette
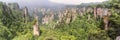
point(36, 3)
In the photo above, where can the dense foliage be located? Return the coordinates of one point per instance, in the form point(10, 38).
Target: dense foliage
point(12, 26)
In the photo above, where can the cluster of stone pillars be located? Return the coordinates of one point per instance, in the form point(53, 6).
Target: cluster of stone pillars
point(102, 13)
point(36, 31)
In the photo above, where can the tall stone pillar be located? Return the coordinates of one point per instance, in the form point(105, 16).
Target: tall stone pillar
point(25, 14)
point(105, 18)
point(95, 12)
point(36, 31)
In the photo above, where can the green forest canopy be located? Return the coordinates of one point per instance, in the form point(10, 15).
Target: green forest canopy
point(12, 26)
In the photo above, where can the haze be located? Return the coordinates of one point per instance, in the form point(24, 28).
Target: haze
point(49, 3)
point(73, 2)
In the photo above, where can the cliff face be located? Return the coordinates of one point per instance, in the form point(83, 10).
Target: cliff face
point(25, 14)
point(36, 31)
point(13, 6)
point(68, 15)
point(47, 18)
point(6, 15)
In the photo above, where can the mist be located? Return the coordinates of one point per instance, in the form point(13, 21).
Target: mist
point(40, 3)
point(34, 3)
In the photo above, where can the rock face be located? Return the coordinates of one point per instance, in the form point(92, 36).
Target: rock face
point(118, 38)
point(13, 6)
point(6, 14)
point(102, 13)
point(98, 12)
point(68, 16)
point(25, 14)
point(105, 20)
point(36, 27)
point(47, 18)
point(95, 12)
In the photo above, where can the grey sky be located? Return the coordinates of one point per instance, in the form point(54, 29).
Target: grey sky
point(36, 3)
point(55, 1)
point(28, 2)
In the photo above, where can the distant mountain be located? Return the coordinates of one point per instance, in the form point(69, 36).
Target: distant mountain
point(37, 4)
point(42, 3)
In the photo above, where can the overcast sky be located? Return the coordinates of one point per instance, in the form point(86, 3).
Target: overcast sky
point(49, 3)
point(73, 2)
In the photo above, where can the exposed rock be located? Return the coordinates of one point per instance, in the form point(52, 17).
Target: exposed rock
point(13, 6)
point(118, 38)
point(25, 14)
point(36, 31)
